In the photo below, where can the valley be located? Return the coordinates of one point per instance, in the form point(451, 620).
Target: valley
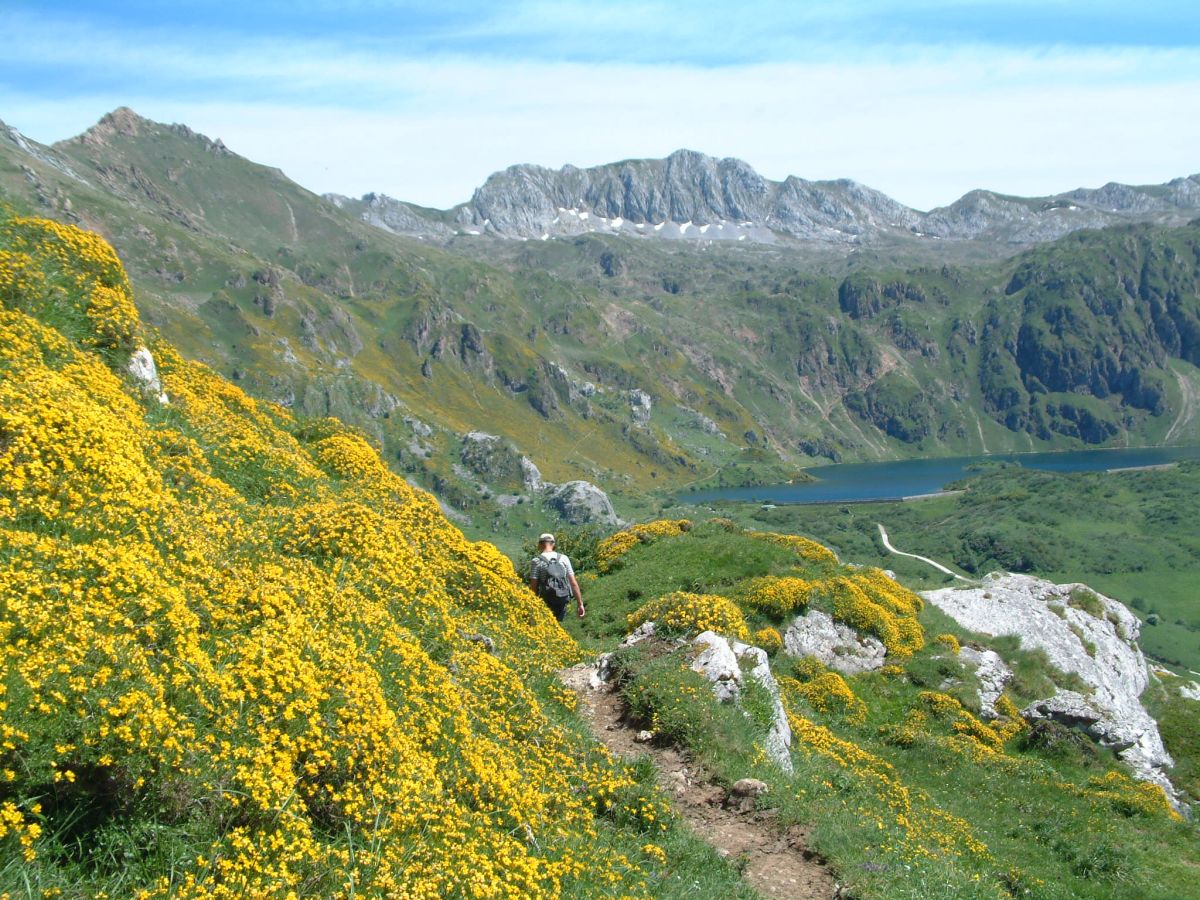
point(634, 362)
point(244, 657)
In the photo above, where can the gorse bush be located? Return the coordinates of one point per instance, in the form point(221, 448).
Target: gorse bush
point(777, 596)
point(246, 658)
point(769, 639)
point(610, 550)
point(687, 612)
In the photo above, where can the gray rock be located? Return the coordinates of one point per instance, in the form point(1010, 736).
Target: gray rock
point(1073, 710)
point(418, 427)
point(716, 662)
point(581, 503)
point(1102, 651)
point(690, 196)
point(643, 737)
point(703, 422)
point(1190, 690)
point(748, 787)
point(720, 661)
point(834, 644)
point(993, 675)
point(531, 476)
point(641, 405)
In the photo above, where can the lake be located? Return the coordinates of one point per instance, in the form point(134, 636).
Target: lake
point(862, 482)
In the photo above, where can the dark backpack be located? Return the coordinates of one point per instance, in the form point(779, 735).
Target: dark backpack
point(553, 581)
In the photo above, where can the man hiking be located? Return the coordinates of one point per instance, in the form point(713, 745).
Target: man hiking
point(552, 577)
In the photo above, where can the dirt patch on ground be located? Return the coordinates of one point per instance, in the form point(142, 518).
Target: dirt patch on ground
point(775, 861)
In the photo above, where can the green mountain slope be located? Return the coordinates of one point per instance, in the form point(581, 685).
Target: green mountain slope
point(637, 365)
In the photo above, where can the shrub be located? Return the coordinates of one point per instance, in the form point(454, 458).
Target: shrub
point(769, 639)
point(807, 668)
point(610, 550)
point(869, 601)
point(778, 597)
point(1087, 600)
point(950, 642)
point(828, 694)
point(687, 612)
point(807, 549)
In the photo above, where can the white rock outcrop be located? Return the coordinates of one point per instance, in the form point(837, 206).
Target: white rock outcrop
point(641, 405)
point(720, 661)
point(834, 644)
point(1102, 651)
point(143, 370)
point(1190, 690)
point(993, 675)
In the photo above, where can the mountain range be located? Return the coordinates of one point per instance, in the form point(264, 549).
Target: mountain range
point(834, 324)
point(692, 196)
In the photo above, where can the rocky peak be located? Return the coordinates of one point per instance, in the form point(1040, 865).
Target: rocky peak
point(121, 121)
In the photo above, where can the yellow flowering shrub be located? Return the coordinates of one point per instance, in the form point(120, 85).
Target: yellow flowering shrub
point(828, 693)
point(950, 642)
point(1132, 798)
point(683, 611)
point(807, 549)
point(777, 596)
point(47, 268)
point(926, 831)
point(769, 639)
point(610, 550)
point(982, 737)
point(868, 601)
point(253, 634)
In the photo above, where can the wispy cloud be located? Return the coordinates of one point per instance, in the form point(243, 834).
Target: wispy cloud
point(340, 109)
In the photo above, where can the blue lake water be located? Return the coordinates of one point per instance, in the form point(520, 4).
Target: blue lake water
point(859, 482)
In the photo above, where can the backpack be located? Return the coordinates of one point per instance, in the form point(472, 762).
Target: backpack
point(552, 579)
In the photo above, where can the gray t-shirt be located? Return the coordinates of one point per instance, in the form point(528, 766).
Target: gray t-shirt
point(541, 558)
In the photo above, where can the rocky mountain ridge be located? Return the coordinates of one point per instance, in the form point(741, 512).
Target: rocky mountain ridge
point(691, 196)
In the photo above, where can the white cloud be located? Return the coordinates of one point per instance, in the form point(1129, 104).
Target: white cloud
point(923, 124)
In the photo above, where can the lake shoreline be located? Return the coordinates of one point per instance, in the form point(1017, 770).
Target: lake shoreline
point(916, 479)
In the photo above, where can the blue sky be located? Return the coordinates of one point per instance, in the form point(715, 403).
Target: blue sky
point(924, 100)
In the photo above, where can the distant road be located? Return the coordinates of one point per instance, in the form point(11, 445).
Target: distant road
point(925, 559)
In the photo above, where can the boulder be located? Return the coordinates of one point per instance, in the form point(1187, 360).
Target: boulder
point(1190, 690)
point(1101, 649)
point(582, 503)
point(748, 787)
point(1072, 709)
point(834, 644)
point(716, 662)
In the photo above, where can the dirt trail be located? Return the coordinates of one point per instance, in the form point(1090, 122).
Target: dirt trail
point(774, 861)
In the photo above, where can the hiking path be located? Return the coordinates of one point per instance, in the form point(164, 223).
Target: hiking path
point(774, 861)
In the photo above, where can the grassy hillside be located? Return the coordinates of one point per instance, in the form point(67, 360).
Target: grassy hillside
point(909, 793)
point(239, 657)
point(1131, 535)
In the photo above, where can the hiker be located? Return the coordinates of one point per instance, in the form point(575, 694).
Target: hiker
point(552, 577)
